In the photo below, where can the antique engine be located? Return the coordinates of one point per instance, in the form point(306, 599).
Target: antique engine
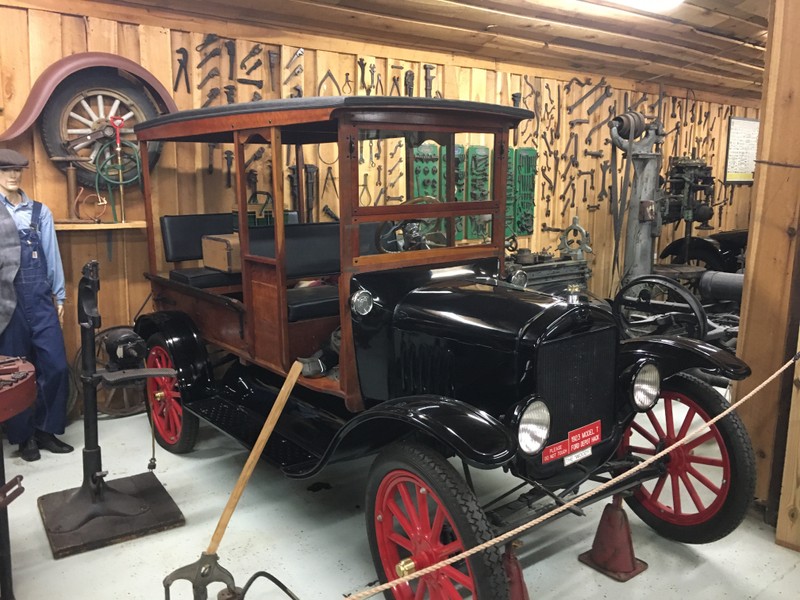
point(690, 191)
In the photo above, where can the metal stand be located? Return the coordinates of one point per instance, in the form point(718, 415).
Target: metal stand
point(98, 513)
point(612, 550)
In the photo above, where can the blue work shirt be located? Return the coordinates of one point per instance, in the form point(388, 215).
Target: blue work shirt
point(21, 214)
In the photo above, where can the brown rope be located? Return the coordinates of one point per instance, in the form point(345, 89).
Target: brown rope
point(594, 491)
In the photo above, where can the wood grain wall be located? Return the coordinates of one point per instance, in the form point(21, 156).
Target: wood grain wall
point(38, 33)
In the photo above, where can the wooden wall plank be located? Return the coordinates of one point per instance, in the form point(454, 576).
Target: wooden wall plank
point(788, 530)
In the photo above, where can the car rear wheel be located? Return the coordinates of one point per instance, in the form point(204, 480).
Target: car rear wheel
point(419, 512)
point(175, 429)
point(706, 486)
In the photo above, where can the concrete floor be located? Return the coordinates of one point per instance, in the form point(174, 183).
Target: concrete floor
point(315, 542)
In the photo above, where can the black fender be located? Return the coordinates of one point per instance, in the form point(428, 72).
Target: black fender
point(185, 346)
point(677, 247)
point(71, 65)
point(674, 354)
point(475, 436)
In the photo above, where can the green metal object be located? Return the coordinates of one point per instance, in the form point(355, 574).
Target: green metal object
point(524, 193)
point(477, 188)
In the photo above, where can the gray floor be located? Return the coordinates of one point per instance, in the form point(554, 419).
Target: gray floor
point(314, 540)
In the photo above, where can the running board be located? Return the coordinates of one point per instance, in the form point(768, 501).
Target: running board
point(300, 438)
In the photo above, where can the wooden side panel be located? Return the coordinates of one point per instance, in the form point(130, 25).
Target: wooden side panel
point(267, 316)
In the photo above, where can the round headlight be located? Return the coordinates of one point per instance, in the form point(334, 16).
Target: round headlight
point(646, 386)
point(519, 278)
point(534, 427)
point(361, 302)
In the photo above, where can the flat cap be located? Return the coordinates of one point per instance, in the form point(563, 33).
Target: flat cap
point(11, 159)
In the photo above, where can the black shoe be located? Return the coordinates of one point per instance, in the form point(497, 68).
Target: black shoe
point(50, 442)
point(29, 451)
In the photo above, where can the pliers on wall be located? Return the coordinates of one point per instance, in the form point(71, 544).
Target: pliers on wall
point(182, 71)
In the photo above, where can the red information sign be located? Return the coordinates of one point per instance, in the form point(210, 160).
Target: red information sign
point(578, 439)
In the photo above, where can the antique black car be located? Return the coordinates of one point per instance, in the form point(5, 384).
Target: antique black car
point(440, 358)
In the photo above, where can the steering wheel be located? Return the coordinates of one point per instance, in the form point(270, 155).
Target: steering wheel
point(411, 234)
point(657, 305)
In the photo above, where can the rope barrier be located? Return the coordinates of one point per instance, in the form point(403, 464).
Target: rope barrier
point(566, 506)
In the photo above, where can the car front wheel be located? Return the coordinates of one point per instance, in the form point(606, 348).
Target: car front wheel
point(706, 485)
point(175, 429)
point(419, 512)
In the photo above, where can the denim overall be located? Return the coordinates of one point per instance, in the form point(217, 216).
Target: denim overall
point(34, 332)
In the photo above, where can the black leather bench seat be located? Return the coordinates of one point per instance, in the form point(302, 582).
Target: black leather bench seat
point(312, 302)
point(205, 277)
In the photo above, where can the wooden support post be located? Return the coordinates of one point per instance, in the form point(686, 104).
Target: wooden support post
point(788, 533)
point(768, 336)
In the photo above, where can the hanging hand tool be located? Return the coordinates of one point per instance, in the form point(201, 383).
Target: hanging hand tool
point(297, 92)
point(395, 180)
point(589, 174)
point(379, 91)
point(597, 154)
point(390, 171)
point(378, 151)
point(599, 102)
point(583, 98)
point(297, 71)
point(397, 147)
point(215, 52)
point(273, 63)
point(429, 79)
point(380, 195)
point(347, 86)
point(365, 190)
point(549, 92)
point(329, 75)
point(578, 82)
point(604, 168)
point(674, 114)
point(182, 70)
point(547, 229)
point(230, 50)
point(256, 97)
point(548, 180)
point(228, 165)
point(516, 98)
point(371, 78)
point(252, 53)
point(575, 122)
point(557, 131)
point(211, 147)
point(257, 155)
point(329, 177)
point(212, 95)
point(209, 76)
point(362, 65)
point(409, 82)
point(612, 112)
point(585, 199)
point(395, 86)
point(256, 82)
point(297, 54)
point(638, 103)
point(378, 181)
point(328, 212)
point(361, 152)
point(209, 39)
point(657, 104)
point(254, 66)
point(371, 156)
point(230, 94)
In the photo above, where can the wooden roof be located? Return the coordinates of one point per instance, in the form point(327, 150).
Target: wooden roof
point(713, 45)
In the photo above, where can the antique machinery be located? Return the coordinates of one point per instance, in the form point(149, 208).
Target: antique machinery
point(690, 191)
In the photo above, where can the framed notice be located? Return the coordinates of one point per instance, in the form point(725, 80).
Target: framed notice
point(740, 162)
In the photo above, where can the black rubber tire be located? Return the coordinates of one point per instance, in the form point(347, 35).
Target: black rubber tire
point(741, 484)
point(65, 96)
point(185, 425)
point(466, 518)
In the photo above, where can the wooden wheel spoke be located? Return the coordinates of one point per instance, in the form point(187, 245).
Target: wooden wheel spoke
point(638, 428)
point(454, 575)
point(399, 516)
point(423, 517)
point(669, 417)
point(698, 503)
point(421, 588)
point(438, 523)
point(640, 450)
point(658, 488)
point(706, 437)
point(687, 421)
point(656, 425)
point(400, 540)
point(703, 479)
point(676, 493)
point(411, 508)
point(448, 550)
point(706, 460)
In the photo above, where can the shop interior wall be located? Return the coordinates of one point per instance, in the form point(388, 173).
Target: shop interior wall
point(35, 38)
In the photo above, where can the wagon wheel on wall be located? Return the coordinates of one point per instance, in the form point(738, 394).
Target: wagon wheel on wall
point(76, 122)
point(114, 401)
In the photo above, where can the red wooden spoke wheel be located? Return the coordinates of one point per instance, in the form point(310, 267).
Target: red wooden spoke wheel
point(175, 429)
point(706, 484)
point(420, 512)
